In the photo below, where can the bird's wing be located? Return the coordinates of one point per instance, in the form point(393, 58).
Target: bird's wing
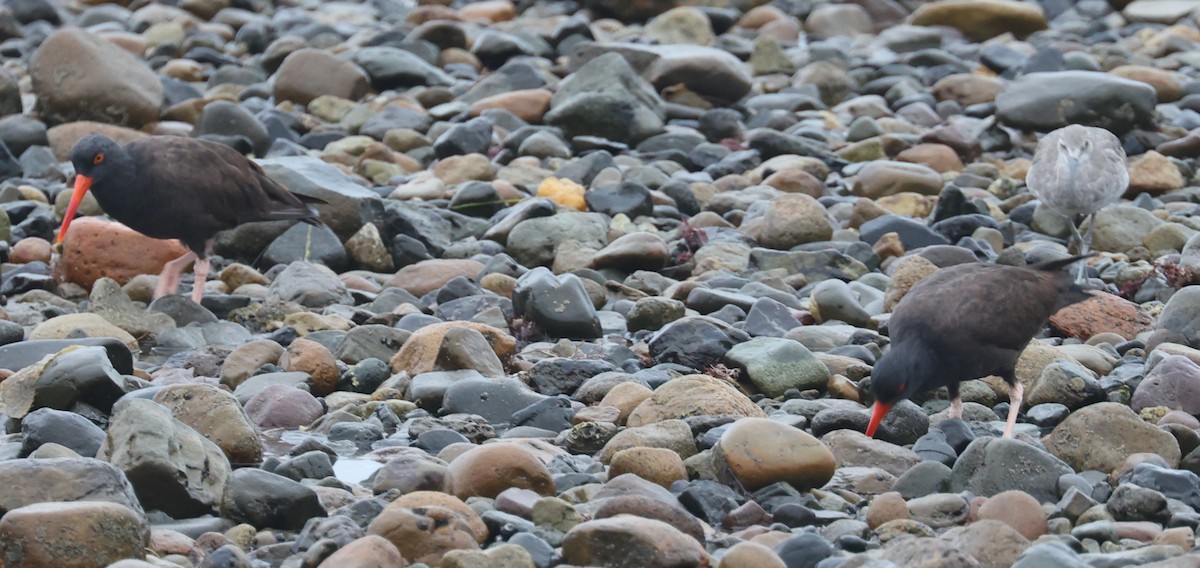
point(978, 304)
point(1041, 168)
point(266, 199)
point(215, 185)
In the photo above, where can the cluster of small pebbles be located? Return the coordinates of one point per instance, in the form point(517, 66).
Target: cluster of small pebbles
point(600, 283)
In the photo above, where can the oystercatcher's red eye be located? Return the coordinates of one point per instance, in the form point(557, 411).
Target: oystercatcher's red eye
point(901, 388)
point(99, 159)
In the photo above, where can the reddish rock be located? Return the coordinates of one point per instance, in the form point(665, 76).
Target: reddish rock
point(95, 248)
point(1102, 313)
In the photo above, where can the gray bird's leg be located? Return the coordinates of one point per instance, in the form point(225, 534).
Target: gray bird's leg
point(201, 272)
point(168, 279)
point(1015, 395)
point(1082, 243)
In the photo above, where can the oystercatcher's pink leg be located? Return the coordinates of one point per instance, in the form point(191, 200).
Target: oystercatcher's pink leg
point(1015, 395)
point(200, 270)
point(168, 279)
point(956, 408)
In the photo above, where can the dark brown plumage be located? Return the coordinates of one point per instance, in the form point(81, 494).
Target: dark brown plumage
point(967, 322)
point(170, 187)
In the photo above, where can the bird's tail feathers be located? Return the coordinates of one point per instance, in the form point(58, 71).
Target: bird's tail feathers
point(305, 214)
point(1073, 294)
point(1070, 292)
point(1057, 264)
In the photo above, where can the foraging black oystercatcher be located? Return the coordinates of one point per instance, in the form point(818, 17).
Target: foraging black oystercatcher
point(169, 187)
point(966, 322)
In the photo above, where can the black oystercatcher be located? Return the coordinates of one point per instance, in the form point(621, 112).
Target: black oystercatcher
point(169, 187)
point(966, 322)
point(1076, 171)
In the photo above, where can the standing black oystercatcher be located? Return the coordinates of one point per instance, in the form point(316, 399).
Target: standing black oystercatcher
point(966, 322)
point(169, 187)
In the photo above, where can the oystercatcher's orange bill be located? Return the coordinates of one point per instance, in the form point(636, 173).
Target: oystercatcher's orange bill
point(877, 413)
point(82, 185)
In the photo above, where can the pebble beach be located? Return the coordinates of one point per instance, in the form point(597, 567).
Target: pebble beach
point(599, 283)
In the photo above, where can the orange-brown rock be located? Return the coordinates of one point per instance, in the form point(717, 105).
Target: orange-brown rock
point(487, 470)
point(427, 349)
point(246, 358)
point(656, 465)
point(424, 534)
point(529, 104)
point(96, 248)
point(625, 397)
point(1153, 173)
point(940, 157)
point(886, 507)
point(429, 275)
point(758, 452)
point(490, 10)
point(967, 89)
point(216, 415)
point(1018, 510)
point(308, 356)
point(1168, 85)
point(1101, 313)
point(371, 551)
point(77, 534)
point(30, 249)
point(796, 180)
point(747, 554)
point(420, 499)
